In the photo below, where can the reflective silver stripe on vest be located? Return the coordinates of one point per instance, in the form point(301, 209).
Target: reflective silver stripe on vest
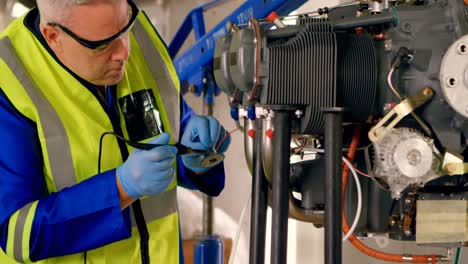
point(58, 147)
point(19, 231)
point(161, 75)
point(159, 206)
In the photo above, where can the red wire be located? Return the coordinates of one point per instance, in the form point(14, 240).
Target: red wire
point(360, 172)
point(301, 147)
point(224, 138)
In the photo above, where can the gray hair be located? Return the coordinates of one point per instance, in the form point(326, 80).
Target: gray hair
point(56, 10)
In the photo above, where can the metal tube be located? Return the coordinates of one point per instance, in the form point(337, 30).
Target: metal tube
point(297, 213)
point(259, 201)
point(207, 217)
point(333, 183)
point(249, 144)
point(388, 17)
point(286, 32)
point(267, 147)
point(279, 228)
point(207, 228)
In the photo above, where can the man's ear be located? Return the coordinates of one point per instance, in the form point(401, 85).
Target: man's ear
point(52, 37)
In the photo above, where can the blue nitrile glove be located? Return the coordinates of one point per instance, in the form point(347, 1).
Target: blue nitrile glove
point(203, 133)
point(148, 172)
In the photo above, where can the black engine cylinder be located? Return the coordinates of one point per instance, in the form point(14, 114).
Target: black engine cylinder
point(319, 68)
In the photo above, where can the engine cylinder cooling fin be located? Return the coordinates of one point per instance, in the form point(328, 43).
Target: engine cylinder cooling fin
point(357, 75)
point(311, 20)
point(320, 68)
point(302, 73)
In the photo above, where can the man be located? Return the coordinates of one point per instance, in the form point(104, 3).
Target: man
point(72, 72)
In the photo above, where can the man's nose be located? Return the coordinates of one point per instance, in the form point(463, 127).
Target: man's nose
point(121, 49)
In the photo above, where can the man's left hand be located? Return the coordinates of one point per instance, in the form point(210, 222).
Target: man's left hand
point(203, 133)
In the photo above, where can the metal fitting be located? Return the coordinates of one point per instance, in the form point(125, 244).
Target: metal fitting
point(261, 112)
point(442, 259)
point(298, 113)
point(407, 258)
point(388, 45)
point(242, 112)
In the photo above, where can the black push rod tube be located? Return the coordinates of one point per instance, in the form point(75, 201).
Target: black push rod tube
point(279, 227)
point(333, 183)
point(259, 201)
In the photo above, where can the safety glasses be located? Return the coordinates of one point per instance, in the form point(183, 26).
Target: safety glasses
point(102, 44)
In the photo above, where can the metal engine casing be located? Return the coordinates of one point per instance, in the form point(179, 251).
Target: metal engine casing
point(432, 31)
point(428, 31)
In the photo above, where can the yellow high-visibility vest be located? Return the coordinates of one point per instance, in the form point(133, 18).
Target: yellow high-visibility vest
point(70, 121)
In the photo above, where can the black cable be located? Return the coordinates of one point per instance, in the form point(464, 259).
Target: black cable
point(99, 167)
point(133, 144)
point(136, 206)
point(390, 213)
point(100, 146)
point(457, 256)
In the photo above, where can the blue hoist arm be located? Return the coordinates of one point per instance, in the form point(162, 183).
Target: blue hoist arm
point(194, 66)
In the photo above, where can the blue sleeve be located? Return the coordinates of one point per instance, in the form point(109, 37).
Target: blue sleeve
point(75, 219)
point(210, 183)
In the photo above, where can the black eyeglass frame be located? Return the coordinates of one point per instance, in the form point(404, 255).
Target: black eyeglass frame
point(101, 44)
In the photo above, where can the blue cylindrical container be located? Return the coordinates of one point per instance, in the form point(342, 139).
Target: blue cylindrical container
point(209, 250)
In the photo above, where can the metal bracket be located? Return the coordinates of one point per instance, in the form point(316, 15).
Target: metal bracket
point(456, 168)
point(407, 106)
point(453, 164)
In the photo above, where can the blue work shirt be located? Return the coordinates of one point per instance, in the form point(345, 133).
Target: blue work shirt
point(79, 218)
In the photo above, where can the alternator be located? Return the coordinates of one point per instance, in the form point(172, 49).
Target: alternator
point(405, 157)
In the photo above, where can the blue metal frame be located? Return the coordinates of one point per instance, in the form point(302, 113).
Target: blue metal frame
point(195, 65)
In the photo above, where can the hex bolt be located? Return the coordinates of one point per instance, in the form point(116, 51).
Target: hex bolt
point(388, 45)
point(298, 113)
point(406, 27)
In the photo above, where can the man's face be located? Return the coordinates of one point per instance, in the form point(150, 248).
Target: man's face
point(93, 22)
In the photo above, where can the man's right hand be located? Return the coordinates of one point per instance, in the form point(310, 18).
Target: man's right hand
point(148, 172)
